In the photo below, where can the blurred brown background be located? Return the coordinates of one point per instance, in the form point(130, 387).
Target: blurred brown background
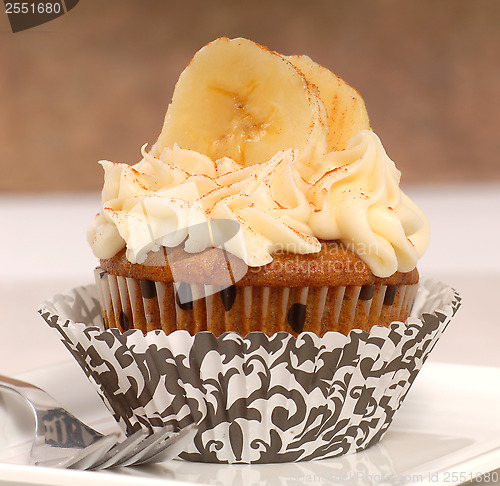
point(95, 83)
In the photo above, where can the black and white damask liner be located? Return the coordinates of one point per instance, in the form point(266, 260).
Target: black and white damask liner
point(256, 399)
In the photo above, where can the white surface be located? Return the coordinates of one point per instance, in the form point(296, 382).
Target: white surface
point(44, 251)
point(44, 237)
point(465, 228)
point(437, 434)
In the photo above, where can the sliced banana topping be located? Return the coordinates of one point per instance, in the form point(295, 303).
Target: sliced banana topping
point(241, 100)
point(345, 108)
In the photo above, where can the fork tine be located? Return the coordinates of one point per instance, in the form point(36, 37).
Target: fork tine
point(89, 457)
point(148, 444)
point(83, 456)
point(120, 452)
point(172, 446)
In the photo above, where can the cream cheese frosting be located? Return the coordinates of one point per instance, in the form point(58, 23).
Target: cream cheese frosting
point(352, 195)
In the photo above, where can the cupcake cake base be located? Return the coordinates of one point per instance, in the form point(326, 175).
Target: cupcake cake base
point(258, 398)
point(154, 305)
point(333, 290)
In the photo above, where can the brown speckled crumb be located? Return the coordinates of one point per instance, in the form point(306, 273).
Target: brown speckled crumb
point(333, 265)
point(332, 290)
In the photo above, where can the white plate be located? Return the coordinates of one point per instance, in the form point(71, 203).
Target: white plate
point(446, 432)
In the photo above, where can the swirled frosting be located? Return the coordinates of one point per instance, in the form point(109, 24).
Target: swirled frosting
point(351, 195)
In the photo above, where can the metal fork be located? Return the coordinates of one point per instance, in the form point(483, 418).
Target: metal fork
point(63, 441)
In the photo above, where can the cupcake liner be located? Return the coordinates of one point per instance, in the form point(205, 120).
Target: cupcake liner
point(153, 305)
point(258, 398)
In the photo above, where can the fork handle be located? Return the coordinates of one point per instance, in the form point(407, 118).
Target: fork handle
point(13, 383)
point(37, 397)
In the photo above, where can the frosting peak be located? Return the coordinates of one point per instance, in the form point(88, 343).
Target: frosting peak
point(351, 195)
point(358, 201)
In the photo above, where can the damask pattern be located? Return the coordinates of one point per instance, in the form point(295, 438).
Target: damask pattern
point(256, 399)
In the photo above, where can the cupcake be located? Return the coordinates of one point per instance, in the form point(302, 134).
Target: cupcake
point(257, 269)
point(277, 153)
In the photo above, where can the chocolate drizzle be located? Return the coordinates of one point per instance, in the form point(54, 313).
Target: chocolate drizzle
point(148, 289)
point(297, 316)
point(184, 296)
point(367, 292)
point(228, 296)
point(123, 320)
point(390, 294)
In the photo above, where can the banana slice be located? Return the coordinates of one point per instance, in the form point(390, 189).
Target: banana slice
point(241, 100)
point(345, 108)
